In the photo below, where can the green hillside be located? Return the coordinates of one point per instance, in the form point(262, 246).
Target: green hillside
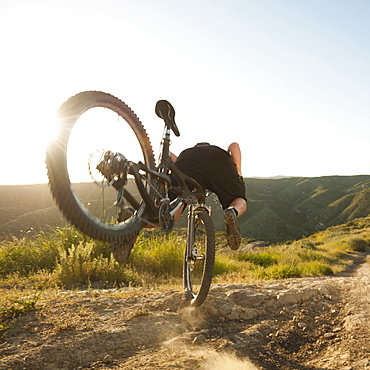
point(278, 209)
point(290, 208)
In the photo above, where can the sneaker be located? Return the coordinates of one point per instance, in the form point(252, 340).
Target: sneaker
point(122, 250)
point(232, 228)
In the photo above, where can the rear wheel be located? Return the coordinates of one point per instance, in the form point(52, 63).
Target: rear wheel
point(199, 259)
point(93, 127)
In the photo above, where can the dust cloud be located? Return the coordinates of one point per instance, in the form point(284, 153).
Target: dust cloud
point(222, 361)
point(212, 360)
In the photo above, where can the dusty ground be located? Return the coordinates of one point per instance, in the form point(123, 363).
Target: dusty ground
point(315, 323)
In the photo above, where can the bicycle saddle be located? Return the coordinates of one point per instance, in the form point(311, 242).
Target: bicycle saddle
point(166, 111)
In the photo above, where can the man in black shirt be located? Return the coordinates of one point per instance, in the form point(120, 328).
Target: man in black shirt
point(219, 171)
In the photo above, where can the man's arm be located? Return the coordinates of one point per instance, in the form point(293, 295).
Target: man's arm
point(173, 157)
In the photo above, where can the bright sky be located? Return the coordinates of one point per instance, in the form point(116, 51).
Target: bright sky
point(288, 79)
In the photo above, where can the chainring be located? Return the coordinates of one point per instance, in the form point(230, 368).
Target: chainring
point(166, 220)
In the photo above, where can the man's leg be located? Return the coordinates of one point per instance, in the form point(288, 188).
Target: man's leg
point(239, 203)
point(238, 206)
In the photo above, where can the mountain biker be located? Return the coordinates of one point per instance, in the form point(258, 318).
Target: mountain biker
point(217, 170)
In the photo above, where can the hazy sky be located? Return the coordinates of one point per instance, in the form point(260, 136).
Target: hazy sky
point(288, 79)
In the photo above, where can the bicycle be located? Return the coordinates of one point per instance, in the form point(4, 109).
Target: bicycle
point(131, 194)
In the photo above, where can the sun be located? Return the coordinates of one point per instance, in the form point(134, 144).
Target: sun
point(94, 133)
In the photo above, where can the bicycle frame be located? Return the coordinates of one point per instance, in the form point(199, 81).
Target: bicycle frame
point(160, 182)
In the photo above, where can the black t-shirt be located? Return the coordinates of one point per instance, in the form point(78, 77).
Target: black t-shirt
point(214, 169)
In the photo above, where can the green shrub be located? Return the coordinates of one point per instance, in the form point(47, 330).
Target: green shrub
point(309, 255)
point(277, 272)
point(306, 244)
point(315, 268)
point(79, 266)
point(26, 256)
point(158, 255)
point(263, 259)
point(225, 265)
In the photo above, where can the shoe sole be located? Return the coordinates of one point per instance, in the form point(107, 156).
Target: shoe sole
point(121, 253)
point(232, 231)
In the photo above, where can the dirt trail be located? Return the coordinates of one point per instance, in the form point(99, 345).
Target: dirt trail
point(307, 324)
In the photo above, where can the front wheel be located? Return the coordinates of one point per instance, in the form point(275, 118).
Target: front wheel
point(95, 130)
point(199, 258)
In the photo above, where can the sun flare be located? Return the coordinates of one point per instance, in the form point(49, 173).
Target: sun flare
point(97, 131)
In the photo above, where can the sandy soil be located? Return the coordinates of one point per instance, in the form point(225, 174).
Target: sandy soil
point(315, 323)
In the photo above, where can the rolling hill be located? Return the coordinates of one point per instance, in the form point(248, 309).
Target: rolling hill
point(278, 209)
point(289, 208)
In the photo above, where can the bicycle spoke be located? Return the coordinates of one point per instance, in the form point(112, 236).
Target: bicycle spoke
point(88, 140)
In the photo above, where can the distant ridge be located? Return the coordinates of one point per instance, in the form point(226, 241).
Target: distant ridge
point(292, 207)
point(279, 209)
point(277, 177)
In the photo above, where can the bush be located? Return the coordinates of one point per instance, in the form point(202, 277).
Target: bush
point(308, 255)
point(158, 255)
point(263, 259)
point(358, 245)
point(224, 265)
point(65, 256)
point(78, 266)
point(27, 256)
point(314, 268)
point(307, 244)
point(278, 272)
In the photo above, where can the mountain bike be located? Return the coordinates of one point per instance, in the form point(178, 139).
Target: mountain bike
point(104, 178)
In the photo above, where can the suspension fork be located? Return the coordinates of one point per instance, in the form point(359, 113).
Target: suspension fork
point(192, 209)
point(190, 233)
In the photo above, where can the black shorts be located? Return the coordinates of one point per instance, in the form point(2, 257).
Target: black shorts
point(215, 170)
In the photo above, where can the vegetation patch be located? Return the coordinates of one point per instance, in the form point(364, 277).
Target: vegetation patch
point(13, 308)
point(65, 258)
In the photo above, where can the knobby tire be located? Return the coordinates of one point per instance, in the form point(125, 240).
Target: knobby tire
point(57, 169)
